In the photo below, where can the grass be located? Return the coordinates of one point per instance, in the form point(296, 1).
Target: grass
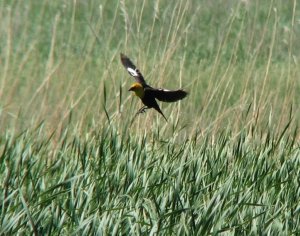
point(112, 183)
point(227, 162)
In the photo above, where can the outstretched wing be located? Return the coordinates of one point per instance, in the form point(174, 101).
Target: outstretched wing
point(132, 70)
point(167, 95)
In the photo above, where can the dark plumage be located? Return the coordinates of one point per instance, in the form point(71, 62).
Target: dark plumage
point(146, 93)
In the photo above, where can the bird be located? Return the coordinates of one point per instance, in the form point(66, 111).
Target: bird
point(148, 94)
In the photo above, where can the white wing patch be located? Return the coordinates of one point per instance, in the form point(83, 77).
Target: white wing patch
point(132, 72)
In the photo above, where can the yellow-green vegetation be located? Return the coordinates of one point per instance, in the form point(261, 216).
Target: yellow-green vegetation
point(228, 160)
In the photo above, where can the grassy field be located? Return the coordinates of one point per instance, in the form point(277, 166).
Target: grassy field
point(228, 160)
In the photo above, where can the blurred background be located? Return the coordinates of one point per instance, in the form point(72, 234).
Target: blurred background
point(238, 59)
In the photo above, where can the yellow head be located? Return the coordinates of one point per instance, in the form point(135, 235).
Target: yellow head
point(138, 89)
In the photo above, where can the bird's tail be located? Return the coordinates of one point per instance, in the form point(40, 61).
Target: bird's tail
point(161, 113)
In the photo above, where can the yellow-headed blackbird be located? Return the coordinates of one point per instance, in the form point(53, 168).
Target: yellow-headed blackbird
point(148, 94)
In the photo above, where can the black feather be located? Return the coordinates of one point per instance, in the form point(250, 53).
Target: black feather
point(167, 95)
point(132, 70)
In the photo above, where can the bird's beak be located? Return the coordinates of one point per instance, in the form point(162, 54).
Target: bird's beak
point(130, 89)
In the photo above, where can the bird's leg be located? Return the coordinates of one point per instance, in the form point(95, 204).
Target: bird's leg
point(142, 110)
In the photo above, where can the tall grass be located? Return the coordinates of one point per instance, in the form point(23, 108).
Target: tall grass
point(110, 183)
point(59, 58)
point(226, 162)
